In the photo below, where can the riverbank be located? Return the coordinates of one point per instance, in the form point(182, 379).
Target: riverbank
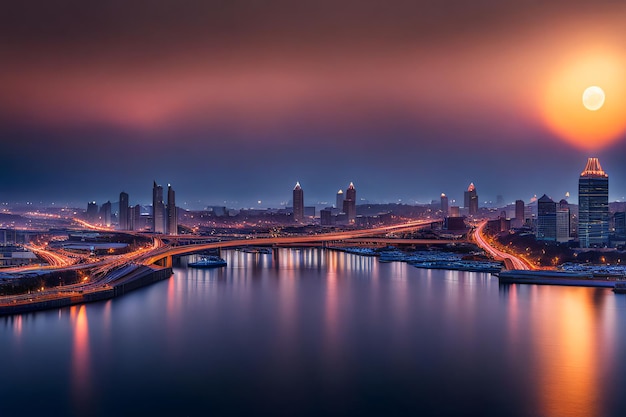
point(566, 278)
point(140, 277)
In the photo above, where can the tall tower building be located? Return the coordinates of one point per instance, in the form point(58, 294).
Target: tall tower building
point(298, 204)
point(158, 209)
point(444, 205)
point(593, 206)
point(172, 214)
point(562, 221)
point(471, 199)
point(92, 212)
point(105, 214)
point(349, 204)
point(340, 198)
point(519, 213)
point(546, 219)
point(124, 222)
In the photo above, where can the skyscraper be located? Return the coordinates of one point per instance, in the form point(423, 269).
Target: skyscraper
point(105, 214)
point(519, 213)
point(444, 205)
point(562, 221)
point(593, 206)
point(546, 219)
point(92, 212)
point(298, 204)
point(349, 204)
point(471, 199)
point(124, 222)
point(172, 217)
point(158, 209)
point(340, 198)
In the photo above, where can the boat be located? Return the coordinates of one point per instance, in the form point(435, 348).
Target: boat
point(469, 266)
point(620, 288)
point(208, 262)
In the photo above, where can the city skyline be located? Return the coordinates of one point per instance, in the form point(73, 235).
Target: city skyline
point(285, 200)
point(383, 96)
point(313, 207)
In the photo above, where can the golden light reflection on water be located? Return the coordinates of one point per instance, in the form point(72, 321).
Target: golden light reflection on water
point(17, 327)
point(565, 346)
point(331, 316)
point(81, 389)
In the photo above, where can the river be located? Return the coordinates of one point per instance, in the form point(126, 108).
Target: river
point(319, 332)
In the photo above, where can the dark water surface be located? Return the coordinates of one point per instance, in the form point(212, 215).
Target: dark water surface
point(314, 332)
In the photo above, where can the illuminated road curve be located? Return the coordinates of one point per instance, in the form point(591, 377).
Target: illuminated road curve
point(290, 240)
point(511, 261)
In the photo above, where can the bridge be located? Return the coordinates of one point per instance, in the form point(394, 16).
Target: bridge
point(163, 256)
point(115, 275)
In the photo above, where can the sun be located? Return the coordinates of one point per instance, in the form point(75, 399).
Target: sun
point(593, 98)
point(600, 120)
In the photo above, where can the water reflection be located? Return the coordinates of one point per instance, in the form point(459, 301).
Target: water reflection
point(568, 347)
point(81, 378)
point(308, 331)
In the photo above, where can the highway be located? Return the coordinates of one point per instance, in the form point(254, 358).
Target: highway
point(103, 272)
point(515, 262)
point(288, 240)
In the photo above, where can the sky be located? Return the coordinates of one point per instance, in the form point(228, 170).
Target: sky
point(234, 101)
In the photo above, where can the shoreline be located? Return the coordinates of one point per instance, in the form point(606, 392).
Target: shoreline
point(562, 278)
point(125, 284)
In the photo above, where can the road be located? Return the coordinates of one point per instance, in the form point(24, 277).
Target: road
point(101, 273)
point(288, 240)
point(516, 262)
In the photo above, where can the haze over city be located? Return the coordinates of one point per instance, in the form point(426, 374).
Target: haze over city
point(235, 102)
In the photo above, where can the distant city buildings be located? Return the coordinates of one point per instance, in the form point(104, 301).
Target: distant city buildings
point(593, 206)
point(519, 213)
point(471, 200)
point(172, 215)
point(158, 209)
point(298, 204)
point(349, 204)
point(546, 219)
point(620, 225)
point(124, 212)
point(444, 205)
point(563, 229)
point(105, 214)
point(92, 212)
point(327, 218)
point(340, 199)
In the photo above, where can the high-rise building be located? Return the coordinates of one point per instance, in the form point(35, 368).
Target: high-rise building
point(105, 214)
point(340, 198)
point(519, 213)
point(444, 205)
point(92, 212)
point(124, 222)
point(471, 199)
point(172, 214)
point(546, 219)
point(455, 211)
point(298, 204)
point(620, 225)
point(562, 221)
point(138, 220)
point(349, 204)
point(131, 218)
point(593, 206)
point(158, 209)
point(326, 217)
